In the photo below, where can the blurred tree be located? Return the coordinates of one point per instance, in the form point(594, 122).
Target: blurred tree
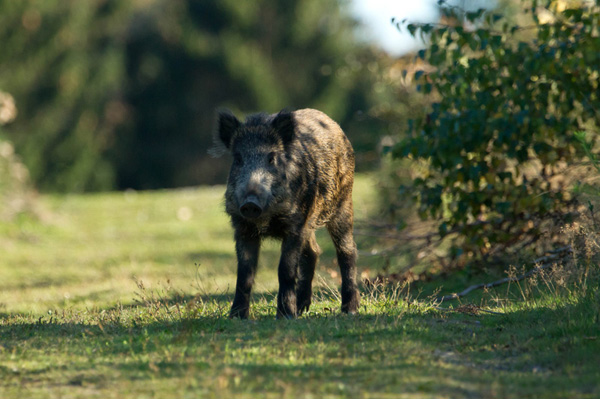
point(118, 94)
point(185, 58)
point(62, 61)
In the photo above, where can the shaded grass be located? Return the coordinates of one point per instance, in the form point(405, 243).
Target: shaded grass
point(387, 351)
point(126, 295)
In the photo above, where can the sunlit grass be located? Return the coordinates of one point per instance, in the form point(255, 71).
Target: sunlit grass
point(126, 295)
point(91, 249)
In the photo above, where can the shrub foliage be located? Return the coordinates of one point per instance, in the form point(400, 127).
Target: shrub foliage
point(499, 139)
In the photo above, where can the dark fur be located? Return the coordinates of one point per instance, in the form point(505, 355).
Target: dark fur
point(296, 170)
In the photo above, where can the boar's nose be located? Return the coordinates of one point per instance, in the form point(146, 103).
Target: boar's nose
point(251, 209)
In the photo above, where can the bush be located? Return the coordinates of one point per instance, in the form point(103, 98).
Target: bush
point(500, 139)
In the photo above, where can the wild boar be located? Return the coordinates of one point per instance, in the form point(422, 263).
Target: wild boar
point(292, 173)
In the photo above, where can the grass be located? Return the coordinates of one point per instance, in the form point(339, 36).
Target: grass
point(126, 295)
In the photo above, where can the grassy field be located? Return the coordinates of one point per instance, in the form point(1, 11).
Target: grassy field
point(126, 295)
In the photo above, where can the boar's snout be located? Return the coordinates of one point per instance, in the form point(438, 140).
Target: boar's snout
point(251, 208)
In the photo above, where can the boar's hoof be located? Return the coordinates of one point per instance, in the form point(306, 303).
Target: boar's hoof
point(280, 316)
point(251, 210)
point(237, 313)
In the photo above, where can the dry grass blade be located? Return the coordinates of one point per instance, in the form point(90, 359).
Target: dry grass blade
point(541, 263)
point(468, 309)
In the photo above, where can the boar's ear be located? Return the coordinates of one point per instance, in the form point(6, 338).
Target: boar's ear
point(284, 124)
point(227, 124)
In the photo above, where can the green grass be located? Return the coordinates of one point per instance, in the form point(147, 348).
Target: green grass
point(126, 295)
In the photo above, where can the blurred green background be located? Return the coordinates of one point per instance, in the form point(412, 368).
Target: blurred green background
point(117, 94)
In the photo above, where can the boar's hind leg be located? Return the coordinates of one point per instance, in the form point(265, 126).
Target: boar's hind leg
point(308, 262)
point(340, 230)
point(247, 254)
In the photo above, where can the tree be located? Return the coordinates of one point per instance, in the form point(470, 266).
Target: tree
point(499, 140)
point(118, 94)
point(62, 61)
point(190, 57)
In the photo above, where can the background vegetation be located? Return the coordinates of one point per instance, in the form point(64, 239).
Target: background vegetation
point(122, 94)
point(499, 158)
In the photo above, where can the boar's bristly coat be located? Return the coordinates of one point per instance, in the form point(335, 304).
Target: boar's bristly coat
point(292, 172)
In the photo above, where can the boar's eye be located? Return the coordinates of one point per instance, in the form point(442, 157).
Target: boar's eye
point(271, 158)
point(237, 160)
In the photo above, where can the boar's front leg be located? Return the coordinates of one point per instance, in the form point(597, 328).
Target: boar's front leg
point(291, 250)
point(307, 264)
point(247, 249)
